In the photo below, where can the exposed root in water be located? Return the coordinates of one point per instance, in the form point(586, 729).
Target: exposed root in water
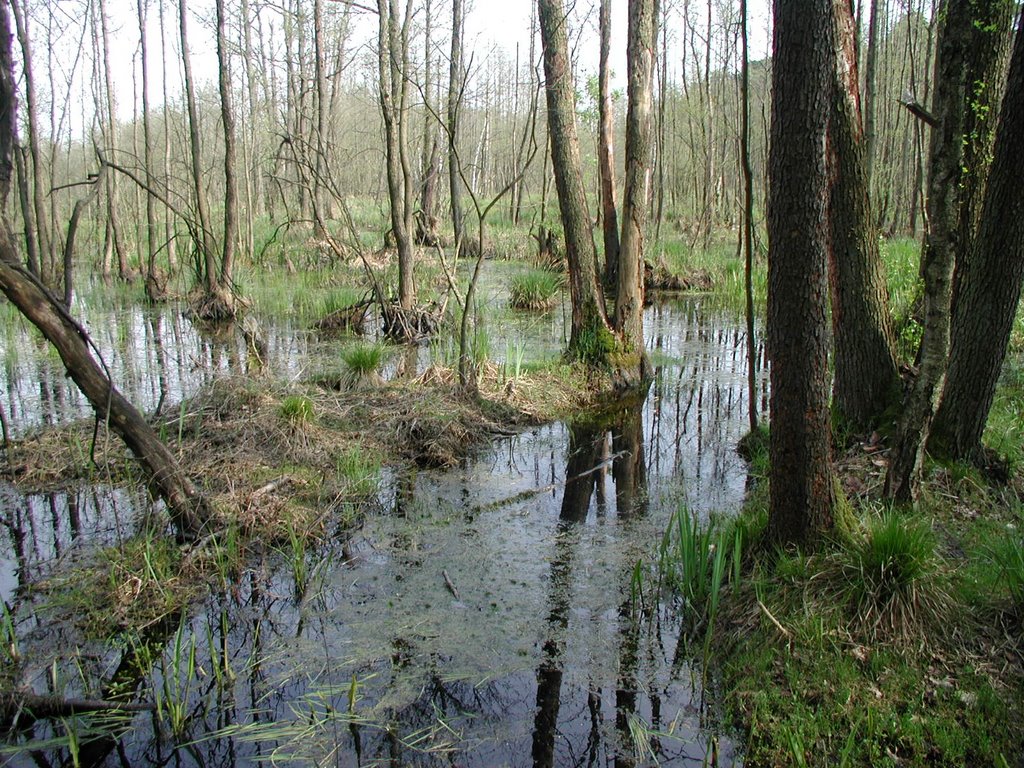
point(658, 277)
point(350, 319)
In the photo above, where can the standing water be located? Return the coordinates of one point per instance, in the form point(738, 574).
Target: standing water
point(506, 612)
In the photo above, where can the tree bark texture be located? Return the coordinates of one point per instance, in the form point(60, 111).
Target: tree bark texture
point(590, 337)
point(642, 36)
point(988, 45)
point(802, 490)
point(866, 373)
point(393, 87)
point(606, 153)
point(990, 285)
point(941, 242)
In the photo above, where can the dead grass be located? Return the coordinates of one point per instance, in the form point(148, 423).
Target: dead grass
point(232, 437)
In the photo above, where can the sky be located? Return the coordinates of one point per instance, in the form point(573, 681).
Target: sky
point(491, 25)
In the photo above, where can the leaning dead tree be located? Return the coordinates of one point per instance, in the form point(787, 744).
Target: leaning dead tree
point(188, 508)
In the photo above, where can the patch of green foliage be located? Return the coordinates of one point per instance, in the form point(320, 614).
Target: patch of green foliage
point(534, 289)
point(902, 258)
point(297, 409)
point(872, 650)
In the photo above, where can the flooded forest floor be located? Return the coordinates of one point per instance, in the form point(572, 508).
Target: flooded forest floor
point(404, 575)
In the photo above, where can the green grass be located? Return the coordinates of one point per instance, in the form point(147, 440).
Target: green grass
point(902, 259)
point(359, 470)
point(873, 652)
point(297, 409)
point(535, 289)
point(362, 363)
point(888, 578)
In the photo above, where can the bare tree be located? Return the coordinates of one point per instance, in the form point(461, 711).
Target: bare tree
point(605, 152)
point(392, 53)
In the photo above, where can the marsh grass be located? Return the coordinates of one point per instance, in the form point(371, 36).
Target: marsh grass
point(695, 561)
point(535, 289)
point(173, 696)
point(297, 410)
point(360, 472)
point(889, 577)
point(362, 363)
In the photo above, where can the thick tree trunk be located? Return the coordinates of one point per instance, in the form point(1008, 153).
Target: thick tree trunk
point(988, 47)
point(990, 285)
point(629, 295)
point(866, 374)
point(605, 153)
point(802, 490)
point(590, 337)
point(903, 478)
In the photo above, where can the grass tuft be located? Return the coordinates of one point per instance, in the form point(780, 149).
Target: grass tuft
point(297, 409)
point(888, 578)
point(536, 289)
point(362, 364)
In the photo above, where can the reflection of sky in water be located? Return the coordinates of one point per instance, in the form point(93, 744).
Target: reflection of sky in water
point(387, 617)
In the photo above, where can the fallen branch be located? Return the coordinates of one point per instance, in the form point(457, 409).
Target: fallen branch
point(451, 586)
point(14, 704)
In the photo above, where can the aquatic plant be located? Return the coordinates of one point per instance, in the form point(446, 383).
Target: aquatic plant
point(536, 289)
point(694, 560)
point(177, 671)
point(360, 471)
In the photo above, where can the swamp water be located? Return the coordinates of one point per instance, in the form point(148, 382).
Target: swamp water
point(501, 613)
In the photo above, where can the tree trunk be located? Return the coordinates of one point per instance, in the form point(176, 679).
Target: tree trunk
point(870, 90)
point(605, 152)
point(44, 248)
point(903, 478)
point(629, 297)
point(391, 60)
point(154, 290)
point(748, 219)
point(227, 116)
point(990, 285)
point(866, 374)
point(204, 240)
point(112, 141)
point(988, 48)
point(590, 338)
point(455, 81)
point(802, 494)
